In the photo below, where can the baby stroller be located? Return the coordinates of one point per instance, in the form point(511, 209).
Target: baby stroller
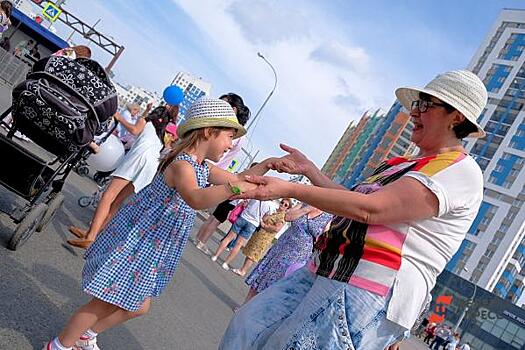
point(61, 106)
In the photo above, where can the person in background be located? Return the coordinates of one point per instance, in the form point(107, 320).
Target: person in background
point(430, 332)
point(34, 52)
point(263, 238)
point(5, 44)
point(169, 139)
point(452, 342)
point(220, 214)
point(130, 114)
point(24, 47)
point(441, 335)
point(6, 9)
point(74, 52)
point(465, 346)
point(291, 251)
point(243, 229)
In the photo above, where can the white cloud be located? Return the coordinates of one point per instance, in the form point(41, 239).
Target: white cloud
point(323, 84)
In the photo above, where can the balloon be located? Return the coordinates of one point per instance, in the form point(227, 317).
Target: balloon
point(109, 155)
point(173, 95)
point(294, 267)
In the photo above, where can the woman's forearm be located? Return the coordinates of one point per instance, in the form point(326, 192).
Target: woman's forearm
point(339, 202)
point(317, 178)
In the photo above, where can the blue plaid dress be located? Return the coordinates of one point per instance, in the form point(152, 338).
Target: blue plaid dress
point(135, 257)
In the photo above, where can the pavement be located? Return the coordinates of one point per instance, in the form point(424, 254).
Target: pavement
point(40, 288)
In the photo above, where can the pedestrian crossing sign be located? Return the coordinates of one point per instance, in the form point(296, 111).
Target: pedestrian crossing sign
point(51, 11)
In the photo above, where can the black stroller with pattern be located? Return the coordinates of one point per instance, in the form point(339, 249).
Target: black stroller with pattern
point(61, 106)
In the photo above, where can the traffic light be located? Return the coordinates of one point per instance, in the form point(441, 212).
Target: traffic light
point(38, 1)
point(39, 19)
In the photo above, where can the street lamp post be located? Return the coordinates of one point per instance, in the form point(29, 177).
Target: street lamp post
point(269, 95)
point(465, 310)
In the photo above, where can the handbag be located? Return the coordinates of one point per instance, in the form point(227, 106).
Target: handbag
point(234, 214)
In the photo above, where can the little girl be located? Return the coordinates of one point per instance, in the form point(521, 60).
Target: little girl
point(136, 255)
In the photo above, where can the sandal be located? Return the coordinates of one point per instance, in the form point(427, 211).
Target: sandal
point(238, 272)
point(78, 232)
point(79, 243)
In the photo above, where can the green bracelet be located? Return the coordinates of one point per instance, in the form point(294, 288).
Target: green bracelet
point(236, 190)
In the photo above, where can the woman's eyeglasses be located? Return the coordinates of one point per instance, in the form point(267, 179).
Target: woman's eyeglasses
point(423, 105)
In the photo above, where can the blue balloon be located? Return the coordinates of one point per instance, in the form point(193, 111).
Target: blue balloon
point(173, 95)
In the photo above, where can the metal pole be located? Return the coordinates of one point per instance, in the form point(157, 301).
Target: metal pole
point(114, 59)
point(465, 310)
point(269, 95)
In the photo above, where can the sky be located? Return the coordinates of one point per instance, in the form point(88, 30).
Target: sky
point(334, 59)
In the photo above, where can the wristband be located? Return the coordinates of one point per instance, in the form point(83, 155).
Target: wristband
point(236, 190)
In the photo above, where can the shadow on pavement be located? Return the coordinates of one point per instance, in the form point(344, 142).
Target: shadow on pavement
point(212, 287)
point(28, 310)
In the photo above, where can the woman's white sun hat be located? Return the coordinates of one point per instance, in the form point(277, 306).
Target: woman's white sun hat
point(461, 89)
point(209, 113)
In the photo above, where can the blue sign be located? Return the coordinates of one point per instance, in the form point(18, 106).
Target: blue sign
point(51, 11)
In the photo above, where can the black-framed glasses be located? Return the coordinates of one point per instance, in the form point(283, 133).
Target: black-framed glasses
point(423, 105)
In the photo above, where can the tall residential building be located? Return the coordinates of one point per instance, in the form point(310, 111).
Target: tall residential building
point(390, 138)
point(364, 130)
point(193, 88)
point(493, 253)
point(339, 152)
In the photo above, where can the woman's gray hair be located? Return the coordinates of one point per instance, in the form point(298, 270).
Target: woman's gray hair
point(130, 106)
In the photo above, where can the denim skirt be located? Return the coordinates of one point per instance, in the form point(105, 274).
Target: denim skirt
point(306, 311)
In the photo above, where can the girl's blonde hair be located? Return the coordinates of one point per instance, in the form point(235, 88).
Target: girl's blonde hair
point(190, 140)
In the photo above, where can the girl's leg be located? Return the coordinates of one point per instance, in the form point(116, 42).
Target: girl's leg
point(230, 237)
point(83, 319)
point(120, 316)
point(241, 241)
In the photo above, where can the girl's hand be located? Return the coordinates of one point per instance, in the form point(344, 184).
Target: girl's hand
point(266, 188)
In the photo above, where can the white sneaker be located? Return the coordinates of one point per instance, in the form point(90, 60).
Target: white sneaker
point(202, 247)
point(87, 344)
point(225, 266)
point(214, 258)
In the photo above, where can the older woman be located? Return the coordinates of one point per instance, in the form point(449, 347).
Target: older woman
point(372, 271)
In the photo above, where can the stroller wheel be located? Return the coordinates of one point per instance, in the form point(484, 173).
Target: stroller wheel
point(82, 170)
point(52, 206)
point(27, 226)
point(84, 201)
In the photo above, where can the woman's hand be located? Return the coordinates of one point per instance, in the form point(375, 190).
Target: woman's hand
point(294, 162)
point(266, 188)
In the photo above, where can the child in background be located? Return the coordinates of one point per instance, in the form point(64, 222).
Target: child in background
point(169, 139)
point(136, 255)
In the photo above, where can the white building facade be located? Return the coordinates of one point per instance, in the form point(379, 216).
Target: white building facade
point(493, 253)
point(133, 94)
point(193, 88)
